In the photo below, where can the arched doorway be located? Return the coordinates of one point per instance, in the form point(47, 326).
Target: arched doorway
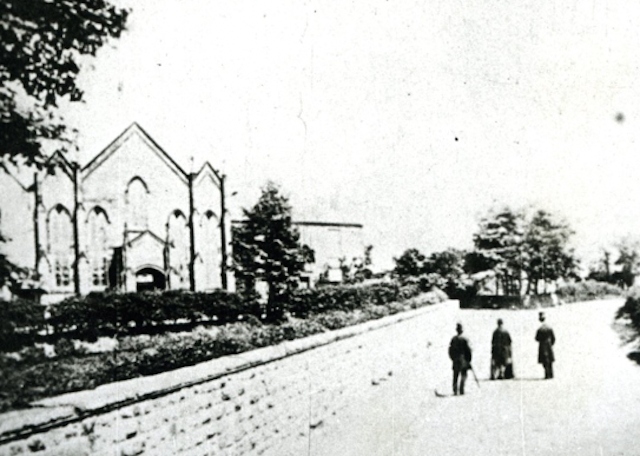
point(150, 279)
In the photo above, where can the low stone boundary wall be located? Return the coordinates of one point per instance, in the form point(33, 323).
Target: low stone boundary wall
point(268, 401)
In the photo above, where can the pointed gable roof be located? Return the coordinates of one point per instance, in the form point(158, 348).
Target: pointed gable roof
point(145, 234)
point(208, 170)
point(58, 160)
point(17, 175)
point(133, 129)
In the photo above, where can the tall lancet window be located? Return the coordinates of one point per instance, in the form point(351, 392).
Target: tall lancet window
point(209, 249)
point(60, 230)
point(178, 250)
point(137, 196)
point(98, 248)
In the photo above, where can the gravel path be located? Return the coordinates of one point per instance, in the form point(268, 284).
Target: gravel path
point(591, 407)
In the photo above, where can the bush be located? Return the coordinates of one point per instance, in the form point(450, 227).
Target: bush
point(20, 322)
point(587, 290)
point(32, 375)
point(110, 312)
point(631, 307)
point(303, 303)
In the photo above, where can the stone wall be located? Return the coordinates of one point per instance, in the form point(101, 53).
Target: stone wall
point(271, 401)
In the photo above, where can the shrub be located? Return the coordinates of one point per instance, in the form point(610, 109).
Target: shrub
point(587, 290)
point(20, 322)
point(31, 375)
point(631, 307)
point(94, 313)
point(303, 303)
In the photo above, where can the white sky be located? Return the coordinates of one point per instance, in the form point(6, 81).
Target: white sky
point(354, 108)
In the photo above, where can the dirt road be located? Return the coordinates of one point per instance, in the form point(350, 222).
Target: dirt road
point(591, 407)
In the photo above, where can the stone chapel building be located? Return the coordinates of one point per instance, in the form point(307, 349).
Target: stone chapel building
point(130, 219)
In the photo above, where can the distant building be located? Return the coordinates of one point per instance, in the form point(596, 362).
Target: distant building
point(332, 243)
point(130, 219)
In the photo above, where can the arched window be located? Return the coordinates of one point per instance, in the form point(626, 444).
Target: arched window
point(137, 196)
point(60, 230)
point(178, 250)
point(98, 248)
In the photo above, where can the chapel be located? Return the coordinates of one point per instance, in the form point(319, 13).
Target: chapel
point(131, 219)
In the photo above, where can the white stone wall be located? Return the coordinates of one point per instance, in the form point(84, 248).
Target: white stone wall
point(272, 401)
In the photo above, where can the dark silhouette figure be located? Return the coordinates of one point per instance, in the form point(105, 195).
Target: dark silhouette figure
point(501, 362)
point(460, 354)
point(546, 339)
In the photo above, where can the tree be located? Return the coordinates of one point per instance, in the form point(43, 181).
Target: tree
point(266, 247)
point(450, 265)
point(517, 246)
point(498, 247)
point(546, 252)
point(41, 46)
point(409, 264)
point(628, 261)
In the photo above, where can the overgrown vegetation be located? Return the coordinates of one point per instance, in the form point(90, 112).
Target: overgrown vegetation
point(631, 308)
point(520, 252)
point(587, 290)
point(76, 359)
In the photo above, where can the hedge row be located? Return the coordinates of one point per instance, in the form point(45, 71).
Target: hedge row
point(120, 311)
point(587, 290)
point(109, 313)
point(22, 321)
point(19, 320)
point(31, 375)
point(348, 297)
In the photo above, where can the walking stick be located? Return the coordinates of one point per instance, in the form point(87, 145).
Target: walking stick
point(474, 375)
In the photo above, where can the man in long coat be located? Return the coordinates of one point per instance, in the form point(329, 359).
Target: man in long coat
point(546, 339)
point(460, 354)
point(500, 353)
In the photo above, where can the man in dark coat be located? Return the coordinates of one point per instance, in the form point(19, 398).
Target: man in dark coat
point(460, 354)
point(500, 353)
point(546, 339)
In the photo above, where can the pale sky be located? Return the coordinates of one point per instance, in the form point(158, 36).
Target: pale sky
point(412, 118)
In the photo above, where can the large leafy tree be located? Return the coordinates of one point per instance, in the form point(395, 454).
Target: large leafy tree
point(448, 263)
point(266, 247)
point(546, 250)
point(444, 270)
point(498, 247)
point(521, 248)
point(41, 46)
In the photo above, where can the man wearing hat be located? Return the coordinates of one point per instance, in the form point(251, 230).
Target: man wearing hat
point(500, 353)
point(460, 354)
point(546, 339)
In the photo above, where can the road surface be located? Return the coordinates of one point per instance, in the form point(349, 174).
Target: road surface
point(591, 407)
